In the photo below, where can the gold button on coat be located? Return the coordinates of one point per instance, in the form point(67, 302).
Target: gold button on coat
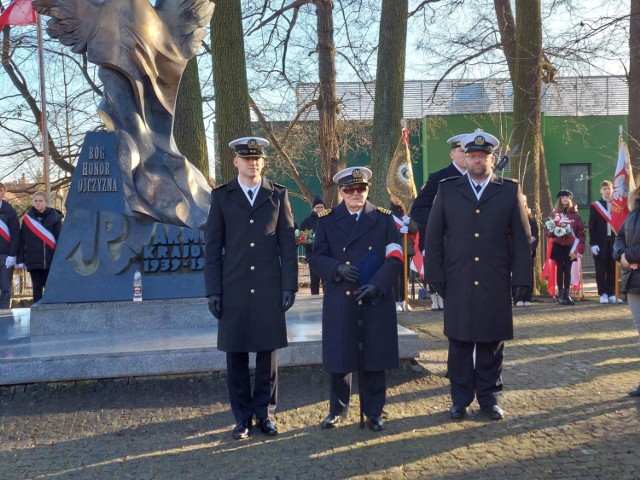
point(251, 221)
point(253, 291)
point(477, 259)
point(252, 244)
point(476, 283)
point(348, 293)
point(476, 235)
point(252, 267)
point(477, 210)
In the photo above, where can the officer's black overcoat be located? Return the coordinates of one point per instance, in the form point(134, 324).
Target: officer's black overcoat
point(479, 249)
point(250, 257)
point(339, 239)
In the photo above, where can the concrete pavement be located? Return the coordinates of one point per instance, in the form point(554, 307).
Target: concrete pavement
point(568, 416)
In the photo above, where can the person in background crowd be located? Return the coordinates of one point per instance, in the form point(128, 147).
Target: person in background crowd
point(9, 244)
point(411, 228)
point(626, 250)
point(478, 246)
point(527, 294)
point(601, 238)
point(309, 223)
point(251, 277)
point(561, 250)
point(424, 201)
point(358, 255)
point(39, 235)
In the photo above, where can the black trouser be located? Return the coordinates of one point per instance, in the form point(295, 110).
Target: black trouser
point(605, 269)
point(374, 393)
point(263, 401)
point(483, 379)
point(38, 281)
point(563, 269)
point(6, 283)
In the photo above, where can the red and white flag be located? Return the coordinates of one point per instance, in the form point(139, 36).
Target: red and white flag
point(623, 183)
point(19, 12)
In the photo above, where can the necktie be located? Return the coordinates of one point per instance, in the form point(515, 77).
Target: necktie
point(478, 188)
point(250, 193)
point(355, 216)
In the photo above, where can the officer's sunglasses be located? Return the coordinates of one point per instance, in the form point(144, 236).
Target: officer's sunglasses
point(352, 190)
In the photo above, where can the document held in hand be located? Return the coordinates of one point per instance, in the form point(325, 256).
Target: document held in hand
point(368, 266)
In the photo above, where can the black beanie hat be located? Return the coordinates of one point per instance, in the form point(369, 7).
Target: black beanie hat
point(565, 193)
point(318, 200)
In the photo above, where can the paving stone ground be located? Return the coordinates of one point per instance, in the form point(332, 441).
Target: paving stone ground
point(568, 416)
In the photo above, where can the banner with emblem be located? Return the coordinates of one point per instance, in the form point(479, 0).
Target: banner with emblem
point(623, 183)
point(400, 181)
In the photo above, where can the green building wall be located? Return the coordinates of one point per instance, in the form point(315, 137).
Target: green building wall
point(591, 140)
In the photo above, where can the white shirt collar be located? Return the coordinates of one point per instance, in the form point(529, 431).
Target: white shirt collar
point(246, 189)
point(483, 184)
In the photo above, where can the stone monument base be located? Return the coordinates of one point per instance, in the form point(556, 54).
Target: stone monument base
point(156, 337)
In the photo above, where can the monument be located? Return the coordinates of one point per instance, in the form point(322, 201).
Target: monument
point(135, 203)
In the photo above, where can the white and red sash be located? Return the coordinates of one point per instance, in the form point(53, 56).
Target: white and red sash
point(602, 210)
point(4, 231)
point(42, 233)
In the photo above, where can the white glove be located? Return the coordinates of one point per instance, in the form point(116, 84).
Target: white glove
point(406, 220)
point(595, 249)
point(21, 266)
point(404, 229)
point(10, 262)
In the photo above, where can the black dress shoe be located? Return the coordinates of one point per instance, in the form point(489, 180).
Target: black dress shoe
point(242, 430)
point(375, 423)
point(636, 392)
point(494, 412)
point(456, 412)
point(331, 421)
point(267, 426)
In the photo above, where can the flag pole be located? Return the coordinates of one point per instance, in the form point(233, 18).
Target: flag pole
point(43, 110)
point(405, 268)
point(617, 264)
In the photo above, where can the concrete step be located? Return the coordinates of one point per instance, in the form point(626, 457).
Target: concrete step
point(128, 352)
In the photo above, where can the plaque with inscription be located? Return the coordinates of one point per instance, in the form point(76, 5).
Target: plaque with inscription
point(103, 242)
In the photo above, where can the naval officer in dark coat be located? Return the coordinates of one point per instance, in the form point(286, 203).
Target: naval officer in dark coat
point(357, 254)
point(423, 203)
point(477, 247)
point(251, 276)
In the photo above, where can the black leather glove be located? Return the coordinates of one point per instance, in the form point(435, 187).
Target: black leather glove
point(215, 305)
point(438, 288)
point(518, 292)
point(366, 292)
point(348, 272)
point(288, 297)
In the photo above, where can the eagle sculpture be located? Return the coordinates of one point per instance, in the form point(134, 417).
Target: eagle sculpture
point(142, 50)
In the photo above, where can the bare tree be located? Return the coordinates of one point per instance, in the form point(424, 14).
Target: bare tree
point(230, 82)
point(634, 84)
point(188, 128)
point(389, 93)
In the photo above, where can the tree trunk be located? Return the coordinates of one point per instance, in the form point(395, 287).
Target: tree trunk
point(387, 114)
point(188, 127)
point(507, 27)
point(230, 83)
point(634, 84)
point(527, 101)
point(327, 104)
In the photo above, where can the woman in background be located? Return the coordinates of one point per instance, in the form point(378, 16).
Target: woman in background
point(626, 249)
point(38, 237)
point(561, 251)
